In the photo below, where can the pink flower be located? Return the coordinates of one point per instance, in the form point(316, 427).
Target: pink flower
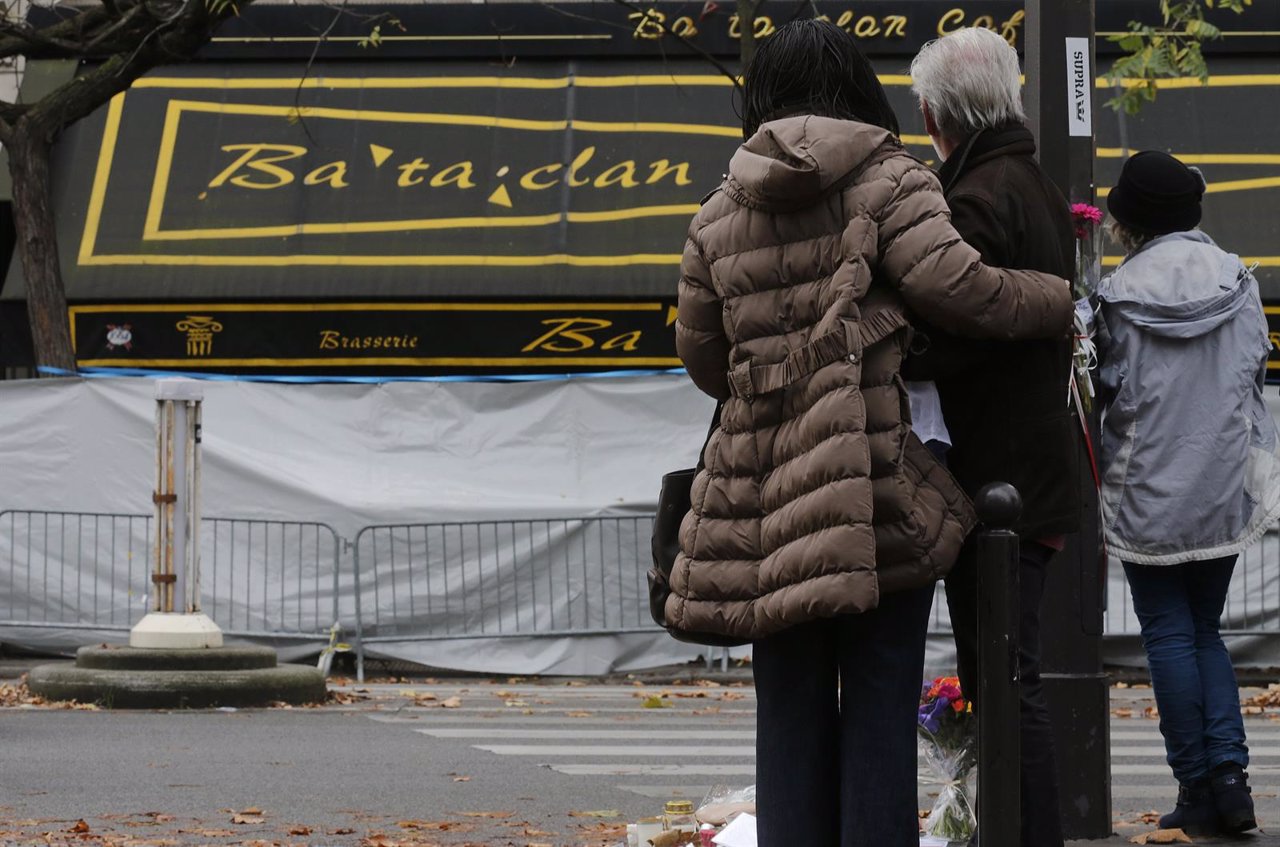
point(1084, 213)
point(1085, 218)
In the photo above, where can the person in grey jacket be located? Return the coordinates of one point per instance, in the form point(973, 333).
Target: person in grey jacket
point(1190, 467)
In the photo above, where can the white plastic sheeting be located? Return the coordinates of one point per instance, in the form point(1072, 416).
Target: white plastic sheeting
point(408, 454)
point(346, 456)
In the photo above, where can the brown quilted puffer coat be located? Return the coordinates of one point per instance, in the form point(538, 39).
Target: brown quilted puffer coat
point(794, 290)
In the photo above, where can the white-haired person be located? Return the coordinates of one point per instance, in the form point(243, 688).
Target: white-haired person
point(1003, 402)
point(1190, 467)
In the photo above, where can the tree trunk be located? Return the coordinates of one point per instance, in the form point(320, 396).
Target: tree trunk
point(37, 246)
point(747, 26)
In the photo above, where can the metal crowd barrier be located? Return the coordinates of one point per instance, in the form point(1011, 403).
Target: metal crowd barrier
point(494, 579)
point(1253, 600)
point(414, 582)
point(76, 570)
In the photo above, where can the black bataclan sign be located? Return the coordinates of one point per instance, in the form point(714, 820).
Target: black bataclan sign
point(231, 216)
point(419, 336)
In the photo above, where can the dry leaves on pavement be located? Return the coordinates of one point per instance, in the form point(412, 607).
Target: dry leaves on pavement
point(19, 696)
point(1162, 836)
point(1267, 699)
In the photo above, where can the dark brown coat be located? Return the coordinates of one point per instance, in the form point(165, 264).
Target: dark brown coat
point(815, 497)
point(1005, 402)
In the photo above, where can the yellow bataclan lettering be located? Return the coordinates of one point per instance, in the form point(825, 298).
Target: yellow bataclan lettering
point(529, 181)
point(623, 174)
point(895, 26)
point(333, 173)
point(627, 341)
point(662, 167)
point(580, 162)
point(573, 330)
point(460, 175)
point(253, 160)
point(867, 27)
point(409, 173)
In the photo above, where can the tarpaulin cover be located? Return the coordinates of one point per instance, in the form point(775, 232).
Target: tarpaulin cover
point(346, 456)
point(425, 462)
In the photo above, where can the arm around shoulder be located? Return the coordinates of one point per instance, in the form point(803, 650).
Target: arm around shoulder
point(944, 280)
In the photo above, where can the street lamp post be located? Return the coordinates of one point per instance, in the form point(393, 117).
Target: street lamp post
point(1060, 71)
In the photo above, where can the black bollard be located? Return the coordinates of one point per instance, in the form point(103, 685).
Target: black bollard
point(999, 742)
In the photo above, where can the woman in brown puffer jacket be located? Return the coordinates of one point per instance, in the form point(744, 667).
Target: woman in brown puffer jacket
point(820, 523)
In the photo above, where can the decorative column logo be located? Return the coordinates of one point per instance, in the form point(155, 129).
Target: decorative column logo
point(200, 331)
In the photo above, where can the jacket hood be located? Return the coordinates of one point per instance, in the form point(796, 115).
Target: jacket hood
point(1180, 285)
point(795, 161)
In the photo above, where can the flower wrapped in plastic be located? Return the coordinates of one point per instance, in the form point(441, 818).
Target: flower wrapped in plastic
point(1088, 226)
point(947, 729)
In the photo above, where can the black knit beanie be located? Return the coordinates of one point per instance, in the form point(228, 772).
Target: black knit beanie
point(1156, 194)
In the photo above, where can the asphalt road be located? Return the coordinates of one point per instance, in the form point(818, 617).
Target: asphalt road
point(503, 764)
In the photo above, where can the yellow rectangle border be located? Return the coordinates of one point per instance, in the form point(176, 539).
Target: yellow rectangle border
point(88, 256)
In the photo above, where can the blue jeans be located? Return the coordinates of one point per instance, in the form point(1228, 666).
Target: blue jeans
point(836, 727)
point(1180, 608)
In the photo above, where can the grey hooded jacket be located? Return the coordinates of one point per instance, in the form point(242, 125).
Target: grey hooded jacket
point(1189, 449)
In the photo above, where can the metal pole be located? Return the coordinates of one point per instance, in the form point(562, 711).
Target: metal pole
point(1075, 685)
point(176, 621)
point(998, 703)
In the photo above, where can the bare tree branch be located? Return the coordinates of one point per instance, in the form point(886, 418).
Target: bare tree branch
point(639, 10)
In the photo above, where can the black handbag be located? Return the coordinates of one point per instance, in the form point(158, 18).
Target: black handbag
point(673, 504)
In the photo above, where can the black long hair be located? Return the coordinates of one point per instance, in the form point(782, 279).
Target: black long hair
point(812, 67)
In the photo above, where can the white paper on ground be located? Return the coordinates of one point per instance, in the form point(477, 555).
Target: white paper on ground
point(741, 832)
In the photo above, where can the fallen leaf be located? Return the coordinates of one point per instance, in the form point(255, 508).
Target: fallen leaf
point(241, 818)
point(494, 815)
point(299, 829)
point(733, 695)
point(603, 813)
point(655, 701)
point(439, 826)
point(1152, 712)
point(1122, 713)
point(462, 779)
point(451, 703)
point(1162, 836)
point(578, 714)
point(342, 830)
point(80, 826)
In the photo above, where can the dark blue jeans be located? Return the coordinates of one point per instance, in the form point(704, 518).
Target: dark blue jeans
point(836, 727)
point(1179, 608)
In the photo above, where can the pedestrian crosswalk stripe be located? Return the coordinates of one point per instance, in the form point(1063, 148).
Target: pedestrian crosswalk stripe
point(667, 751)
point(1163, 770)
point(591, 734)
point(1157, 749)
point(655, 770)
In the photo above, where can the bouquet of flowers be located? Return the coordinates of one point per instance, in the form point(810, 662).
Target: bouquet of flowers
point(948, 728)
point(1087, 220)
